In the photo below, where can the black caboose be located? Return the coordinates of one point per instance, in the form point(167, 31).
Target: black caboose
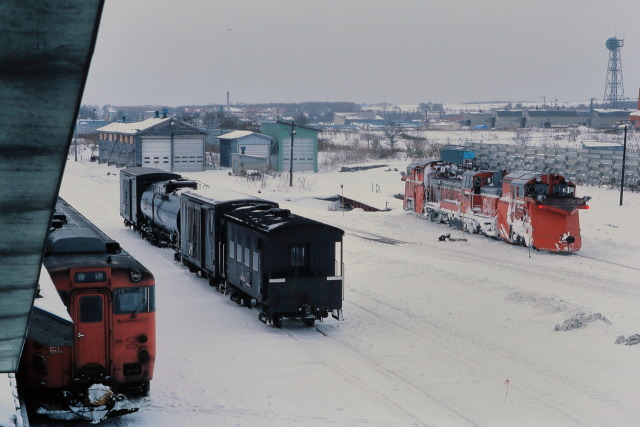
point(291, 264)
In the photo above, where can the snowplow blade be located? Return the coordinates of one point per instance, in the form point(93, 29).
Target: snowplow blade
point(93, 409)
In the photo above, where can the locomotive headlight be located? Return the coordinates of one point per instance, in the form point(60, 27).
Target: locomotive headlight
point(135, 275)
point(538, 179)
point(541, 198)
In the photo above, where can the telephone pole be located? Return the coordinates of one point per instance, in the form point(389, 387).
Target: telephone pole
point(293, 132)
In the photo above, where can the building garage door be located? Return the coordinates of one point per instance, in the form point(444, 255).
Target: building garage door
point(258, 150)
point(156, 153)
point(188, 154)
point(303, 155)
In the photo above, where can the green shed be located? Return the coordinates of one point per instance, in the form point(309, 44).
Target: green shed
point(305, 146)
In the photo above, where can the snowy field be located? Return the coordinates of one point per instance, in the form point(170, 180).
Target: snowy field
point(435, 333)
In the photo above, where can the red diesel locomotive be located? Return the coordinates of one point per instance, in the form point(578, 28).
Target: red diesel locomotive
point(110, 298)
point(526, 208)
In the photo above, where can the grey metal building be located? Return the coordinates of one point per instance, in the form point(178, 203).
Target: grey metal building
point(164, 143)
point(508, 119)
point(244, 143)
point(559, 117)
point(609, 118)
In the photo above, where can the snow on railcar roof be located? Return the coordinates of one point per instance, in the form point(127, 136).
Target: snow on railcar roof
point(267, 219)
point(421, 163)
point(223, 195)
point(147, 170)
point(521, 176)
point(48, 299)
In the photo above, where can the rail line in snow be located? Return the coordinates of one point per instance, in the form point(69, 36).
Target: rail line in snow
point(432, 335)
point(567, 276)
point(373, 237)
point(370, 373)
point(616, 264)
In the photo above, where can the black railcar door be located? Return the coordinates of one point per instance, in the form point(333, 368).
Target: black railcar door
point(221, 257)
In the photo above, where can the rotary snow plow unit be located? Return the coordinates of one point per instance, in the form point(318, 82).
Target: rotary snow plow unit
point(98, 404)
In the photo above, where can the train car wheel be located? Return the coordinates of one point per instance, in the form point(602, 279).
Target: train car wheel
point(146, 387)
point(277, 321)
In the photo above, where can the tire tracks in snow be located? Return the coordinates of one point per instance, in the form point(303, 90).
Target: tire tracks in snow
point(493, 363)
point(374, 377)
point(568, 276)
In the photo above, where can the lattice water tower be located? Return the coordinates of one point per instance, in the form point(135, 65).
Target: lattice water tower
point(614, 89)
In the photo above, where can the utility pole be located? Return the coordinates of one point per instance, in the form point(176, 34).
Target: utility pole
point(624, 155)
point(426, 117)
point(75, 141)
point(293, 132)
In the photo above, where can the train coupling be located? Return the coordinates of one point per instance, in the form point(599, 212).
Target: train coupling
point(263, 317)
point(99, 403)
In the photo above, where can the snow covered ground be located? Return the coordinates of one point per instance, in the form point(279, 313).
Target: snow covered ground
point(435, 333)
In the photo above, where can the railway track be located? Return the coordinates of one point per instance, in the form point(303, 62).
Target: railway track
point(609, 277)
point(598, 260)
point(415, 402)
point(373, 237)
point(428, 405)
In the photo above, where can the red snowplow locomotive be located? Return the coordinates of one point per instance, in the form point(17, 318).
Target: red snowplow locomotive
point(526, 208)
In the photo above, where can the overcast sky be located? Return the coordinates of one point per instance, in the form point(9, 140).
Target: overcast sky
point(180, 52)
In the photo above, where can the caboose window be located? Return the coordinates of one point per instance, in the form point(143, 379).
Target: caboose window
point(239, 252)
point(256, 260)
point(297, 256)
point(232, 249)
point(91, 309)
point(247, 256)
point(134, 300)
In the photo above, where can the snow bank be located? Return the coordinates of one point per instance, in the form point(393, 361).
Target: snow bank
point(10, 415)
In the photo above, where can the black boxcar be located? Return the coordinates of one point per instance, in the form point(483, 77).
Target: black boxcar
point(203, 237)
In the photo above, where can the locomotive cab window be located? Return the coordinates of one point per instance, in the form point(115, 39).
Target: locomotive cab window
point(563, 190)
point(537, 189)
point(232, 249)
point(91, 309)
point(134, 300)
